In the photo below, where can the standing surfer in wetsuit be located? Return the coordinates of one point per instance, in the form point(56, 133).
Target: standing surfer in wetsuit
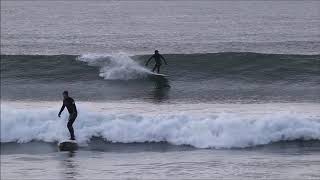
point(72, 109)
point(157, 57)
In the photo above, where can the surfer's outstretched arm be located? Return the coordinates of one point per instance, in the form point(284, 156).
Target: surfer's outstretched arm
point(164, 60)
point(62, 108)
point(149, 60)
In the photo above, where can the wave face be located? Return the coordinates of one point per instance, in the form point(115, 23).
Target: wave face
point(261, 67)
point(217, 76)
point(204, 130)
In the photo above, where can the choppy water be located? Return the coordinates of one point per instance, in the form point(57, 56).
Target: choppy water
point(241, 99)
point(64, 27)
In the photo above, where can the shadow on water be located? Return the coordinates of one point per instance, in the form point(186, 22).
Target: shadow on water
point(103, 145)
point(33, 147)
point(160, 91)
point(289, 147)
point(69, 165)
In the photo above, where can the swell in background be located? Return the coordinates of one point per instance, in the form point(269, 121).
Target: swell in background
point(226, 77)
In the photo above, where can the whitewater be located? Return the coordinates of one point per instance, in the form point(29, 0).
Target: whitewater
point(197, 125)
point(116, 66)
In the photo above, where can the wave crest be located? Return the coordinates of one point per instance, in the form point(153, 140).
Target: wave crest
point(222, 130)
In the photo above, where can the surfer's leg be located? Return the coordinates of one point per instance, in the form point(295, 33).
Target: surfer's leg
point(72, 118)
point(158, 69)
point(154, 68)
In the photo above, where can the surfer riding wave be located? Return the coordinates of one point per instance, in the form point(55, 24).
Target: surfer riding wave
point(157, 57)
point(72, 109)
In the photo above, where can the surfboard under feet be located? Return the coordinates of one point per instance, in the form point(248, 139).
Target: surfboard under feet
point(68, 145)
point(158, 75)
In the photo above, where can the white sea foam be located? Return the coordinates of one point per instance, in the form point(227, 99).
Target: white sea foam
point(117, 66)
point(202, 130)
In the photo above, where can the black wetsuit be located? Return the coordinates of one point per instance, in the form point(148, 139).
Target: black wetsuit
point(157, 57)
point(72, 109)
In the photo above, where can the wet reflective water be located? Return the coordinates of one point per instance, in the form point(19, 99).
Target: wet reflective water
point(148, 161)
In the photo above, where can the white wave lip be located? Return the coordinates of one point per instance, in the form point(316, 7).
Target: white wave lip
point(118, 66)
point(223, 130)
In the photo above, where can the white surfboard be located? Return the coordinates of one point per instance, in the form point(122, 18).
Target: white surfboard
point(68, 145)
point(159, 75)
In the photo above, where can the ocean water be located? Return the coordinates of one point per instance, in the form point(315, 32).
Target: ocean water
point(241, 99)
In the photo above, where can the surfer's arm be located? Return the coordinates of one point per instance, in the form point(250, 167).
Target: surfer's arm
point(62, 108)
point(164, 60)
point(74, 107)
point(149, 60)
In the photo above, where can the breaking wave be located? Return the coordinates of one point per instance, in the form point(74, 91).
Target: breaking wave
point(210, 130)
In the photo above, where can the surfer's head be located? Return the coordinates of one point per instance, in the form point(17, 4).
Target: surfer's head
point(65, 94)
point(156, 52)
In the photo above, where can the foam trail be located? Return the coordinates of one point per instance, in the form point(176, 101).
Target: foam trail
point(220, 130)
point(115, 66)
